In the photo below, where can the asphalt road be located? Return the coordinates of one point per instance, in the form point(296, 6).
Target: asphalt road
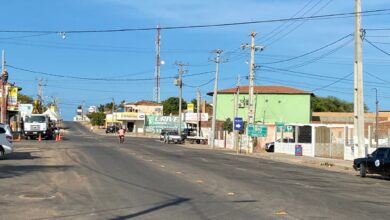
point(88, 176)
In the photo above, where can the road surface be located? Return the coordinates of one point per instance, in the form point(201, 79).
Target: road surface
point(90, 176)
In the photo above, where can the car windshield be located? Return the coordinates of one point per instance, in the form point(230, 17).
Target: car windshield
point(35, 119)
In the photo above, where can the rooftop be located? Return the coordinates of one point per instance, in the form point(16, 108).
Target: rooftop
point(263, 90)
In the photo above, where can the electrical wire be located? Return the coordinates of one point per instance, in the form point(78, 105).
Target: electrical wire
point(311, 52)
point(102, 79)
point(317, 17)
point(388, 54)
point(337, 81)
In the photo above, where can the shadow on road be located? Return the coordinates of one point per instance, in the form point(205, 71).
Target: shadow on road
point(172, 202)
point(9, 171)
point(21, 156)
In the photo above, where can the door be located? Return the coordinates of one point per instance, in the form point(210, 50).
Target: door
point(130, 126)
point(376, 161)
point(386, 165)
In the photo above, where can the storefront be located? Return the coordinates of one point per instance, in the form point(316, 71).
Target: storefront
point(131, 121)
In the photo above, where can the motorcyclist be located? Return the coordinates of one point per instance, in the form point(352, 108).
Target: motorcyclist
point(121, 134)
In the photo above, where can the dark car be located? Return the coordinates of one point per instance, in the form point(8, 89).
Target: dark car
point(112, 129)
point(270, 146)
point(376, 163)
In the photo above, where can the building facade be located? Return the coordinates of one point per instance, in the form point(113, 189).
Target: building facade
point(271, 104)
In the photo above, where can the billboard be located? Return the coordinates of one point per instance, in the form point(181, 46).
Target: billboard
point(155, 123)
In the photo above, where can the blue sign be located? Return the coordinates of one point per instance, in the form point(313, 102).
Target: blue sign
point(238, 124)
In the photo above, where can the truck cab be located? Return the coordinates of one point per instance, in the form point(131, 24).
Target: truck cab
point(38, 124)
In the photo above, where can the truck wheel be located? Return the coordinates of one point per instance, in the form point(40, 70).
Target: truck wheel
point(2, 154)
point(363, 170)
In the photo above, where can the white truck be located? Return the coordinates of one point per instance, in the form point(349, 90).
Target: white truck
point(38, 124)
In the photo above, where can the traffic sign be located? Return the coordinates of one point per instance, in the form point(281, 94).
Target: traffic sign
point(238, 124)
point(257, 130)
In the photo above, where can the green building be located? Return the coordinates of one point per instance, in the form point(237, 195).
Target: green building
point(272, 104)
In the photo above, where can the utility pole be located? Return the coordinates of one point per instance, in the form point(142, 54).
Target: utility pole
point(198, 111)
point(217, 61)
point(236, 105)
point(112, 111)
point(251, 115)
point(3, 96)
point(358, 134)
point(158, 64)
point(179, 83)
point(40, 94)
point(376, 116)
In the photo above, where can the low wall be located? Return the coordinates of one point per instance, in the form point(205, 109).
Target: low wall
point(289, 148)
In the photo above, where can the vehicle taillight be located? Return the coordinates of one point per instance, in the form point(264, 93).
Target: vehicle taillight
point(9, 138)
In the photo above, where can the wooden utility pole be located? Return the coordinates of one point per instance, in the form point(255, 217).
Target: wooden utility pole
point(358, 120)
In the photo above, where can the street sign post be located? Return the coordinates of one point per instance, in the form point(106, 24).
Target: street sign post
point(238, 124)
point(257, 130)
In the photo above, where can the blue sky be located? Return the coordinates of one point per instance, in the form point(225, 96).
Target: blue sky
point(131, 55)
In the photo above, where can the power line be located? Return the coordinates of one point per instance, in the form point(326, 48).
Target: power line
point(299, 25)
point(100, 79)
point(317, 17)
point(337, 81)
point(311, 52)
point(388, 54)
point(201, 85)
point(322, 56)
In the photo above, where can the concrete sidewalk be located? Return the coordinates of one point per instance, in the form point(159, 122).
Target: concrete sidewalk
point(337, 165)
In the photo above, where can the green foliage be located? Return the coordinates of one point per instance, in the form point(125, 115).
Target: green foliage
point(97, 118)
point(25, 99)
point(331, 104)
point(108, 107)
point(195, 102)
point(171, 105)
point(228, 125)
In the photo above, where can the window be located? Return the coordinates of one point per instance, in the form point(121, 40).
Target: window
point(380, 153)
point(35, 119)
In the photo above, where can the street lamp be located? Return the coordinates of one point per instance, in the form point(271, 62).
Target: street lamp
point(376, 116)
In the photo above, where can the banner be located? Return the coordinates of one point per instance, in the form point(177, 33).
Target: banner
point(155, 123)
point(12, 98)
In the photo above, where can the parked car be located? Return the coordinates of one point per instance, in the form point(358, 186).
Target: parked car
point(173, 137)
point(270, 146)
point(6, 145)
point(112, 129)
point(376, 163)
point(164, 131)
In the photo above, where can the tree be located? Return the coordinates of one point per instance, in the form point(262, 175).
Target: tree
point(195, 102)
point(107, 107)
point(171, 105)
point(331, 104)
point(97, 118)
point(228, 125)
point(25, 99)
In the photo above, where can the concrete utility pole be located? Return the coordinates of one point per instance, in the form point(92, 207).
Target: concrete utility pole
point(179, 83)
point(112, 111)
point(251, 115)
point(40, 93)
point(376, 117)
point(217, 61)
point(236, 106)
point(358, 134)
point(3, 99)
point(198, 111)
point(158, 64)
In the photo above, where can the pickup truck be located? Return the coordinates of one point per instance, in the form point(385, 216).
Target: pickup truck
point(376, 163)
point(173, 137)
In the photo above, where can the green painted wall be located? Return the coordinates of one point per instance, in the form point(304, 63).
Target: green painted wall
point(287, 108)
